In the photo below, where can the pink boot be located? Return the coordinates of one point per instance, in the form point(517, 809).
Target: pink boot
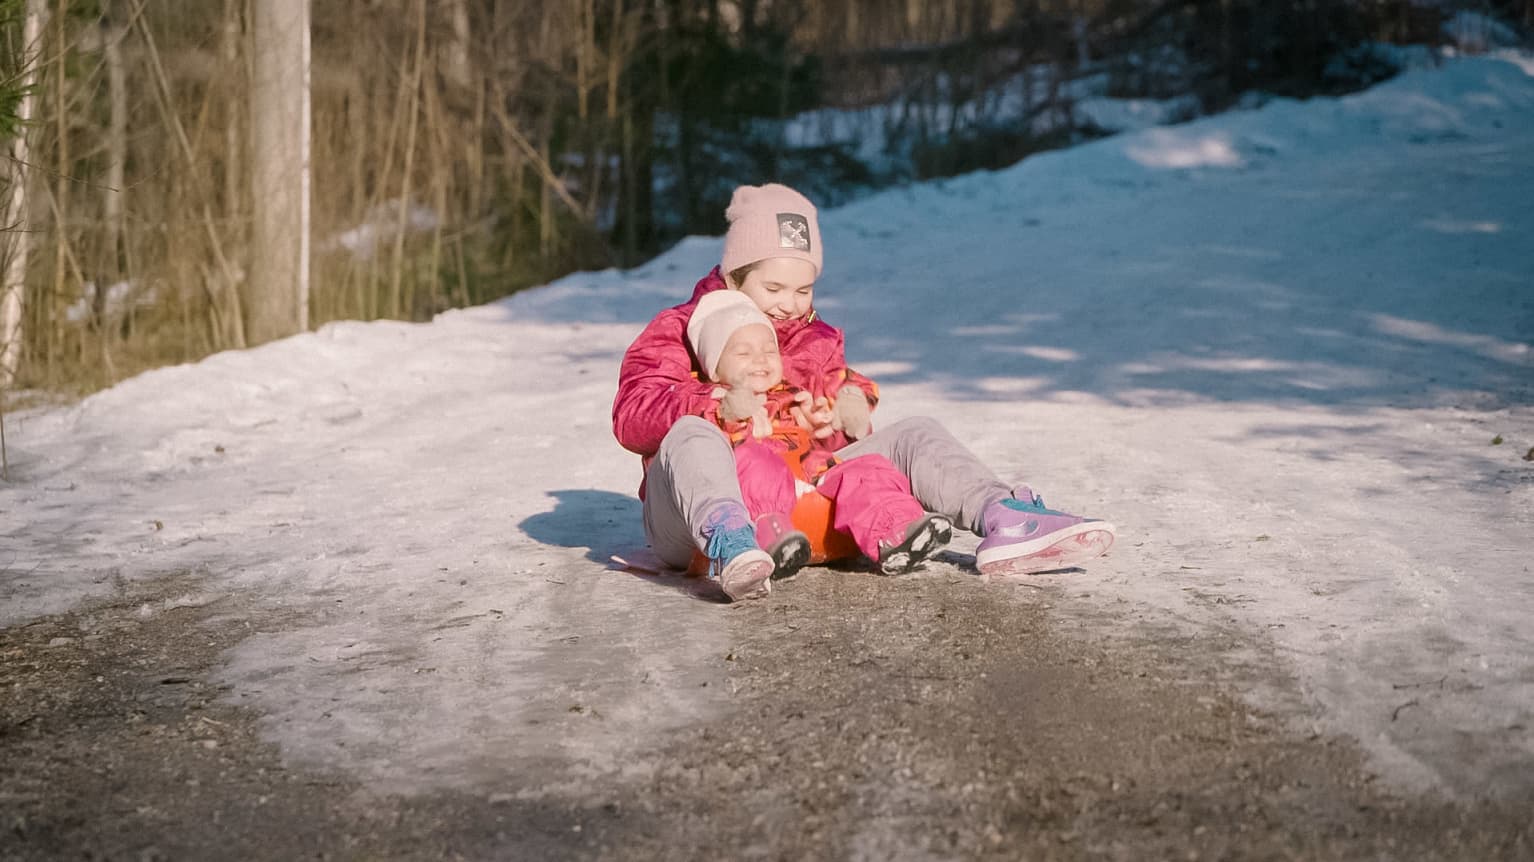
point(920, 539)
point(788, 547)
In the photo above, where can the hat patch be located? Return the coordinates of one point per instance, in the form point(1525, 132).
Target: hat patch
point(793, 232)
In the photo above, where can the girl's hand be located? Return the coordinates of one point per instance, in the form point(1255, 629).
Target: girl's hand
point(737, 403)
point(852, 412)
point(816, 417)
point(761, 423)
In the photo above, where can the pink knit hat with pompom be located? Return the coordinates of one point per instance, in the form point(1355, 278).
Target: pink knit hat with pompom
point(770, 221)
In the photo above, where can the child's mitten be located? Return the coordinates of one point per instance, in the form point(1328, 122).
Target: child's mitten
point(761, 423)
point(852, 412)
point(738, 402)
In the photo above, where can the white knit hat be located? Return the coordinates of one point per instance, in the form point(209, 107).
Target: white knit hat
point(770, 221)
point(714, 319)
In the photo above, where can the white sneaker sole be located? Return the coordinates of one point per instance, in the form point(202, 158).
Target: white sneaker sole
point(748, 576)
point(1061, 549)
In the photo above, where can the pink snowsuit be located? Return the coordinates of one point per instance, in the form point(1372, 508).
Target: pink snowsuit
point(660, 381)
point(873, 498)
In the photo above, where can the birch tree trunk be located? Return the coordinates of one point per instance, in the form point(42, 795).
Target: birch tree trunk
point(277, 295)
point(15, 222)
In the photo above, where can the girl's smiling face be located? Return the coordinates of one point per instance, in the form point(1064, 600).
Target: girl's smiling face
point(782, 287)
point(750, 359)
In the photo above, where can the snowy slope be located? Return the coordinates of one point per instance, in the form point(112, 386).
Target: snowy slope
point(1274, 346)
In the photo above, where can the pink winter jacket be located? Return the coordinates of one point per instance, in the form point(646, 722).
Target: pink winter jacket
point(660, 380)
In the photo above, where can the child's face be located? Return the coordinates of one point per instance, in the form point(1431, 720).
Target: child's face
point(751, 359)
point(782, 287)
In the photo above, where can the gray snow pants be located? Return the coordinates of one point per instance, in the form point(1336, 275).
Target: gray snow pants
point(693, 473)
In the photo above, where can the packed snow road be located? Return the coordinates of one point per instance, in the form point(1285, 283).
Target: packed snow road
point(362, 573)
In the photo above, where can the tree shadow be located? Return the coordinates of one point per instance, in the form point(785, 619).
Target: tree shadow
point(1214, 262)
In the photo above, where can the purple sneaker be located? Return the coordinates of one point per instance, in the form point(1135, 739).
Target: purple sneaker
point(1024, 537)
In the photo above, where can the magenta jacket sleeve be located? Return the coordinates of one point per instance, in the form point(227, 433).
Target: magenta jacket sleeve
point(814, 359)
point(657, 386)
point(837, 374)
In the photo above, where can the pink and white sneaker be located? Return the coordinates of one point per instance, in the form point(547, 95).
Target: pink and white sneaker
point(743, 569)
point(747, 576)
point(1022, 537)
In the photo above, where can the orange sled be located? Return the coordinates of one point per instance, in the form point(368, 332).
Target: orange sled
point(812, 515)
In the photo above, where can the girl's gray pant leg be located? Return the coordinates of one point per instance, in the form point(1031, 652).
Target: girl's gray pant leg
point(945, 476)
point(693, 474)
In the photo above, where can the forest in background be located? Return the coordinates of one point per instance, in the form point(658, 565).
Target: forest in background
point(464, 149)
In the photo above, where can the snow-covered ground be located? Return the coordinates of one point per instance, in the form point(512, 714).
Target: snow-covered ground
point(1277, 347)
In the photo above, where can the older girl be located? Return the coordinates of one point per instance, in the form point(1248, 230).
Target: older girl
point(665, 413)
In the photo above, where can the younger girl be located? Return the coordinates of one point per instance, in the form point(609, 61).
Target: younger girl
point(775, 456)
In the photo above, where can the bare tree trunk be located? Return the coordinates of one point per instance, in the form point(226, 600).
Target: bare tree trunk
point(620, 41)
point(1079, 30)
point(585, 18)
point(117, 146)
point(278, 296)
point(15, 222)
point(545, 204)
point(474, 153)
point(455, 60)
point(628, 211)
point(5, 464)
point(234, 143)
point(63, 226)
point(441, 178)
point(407, 175)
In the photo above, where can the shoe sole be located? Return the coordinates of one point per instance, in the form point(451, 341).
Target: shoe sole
point(748, 576)
point(934, 535)
point(1062, 549)
point(789, 555)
